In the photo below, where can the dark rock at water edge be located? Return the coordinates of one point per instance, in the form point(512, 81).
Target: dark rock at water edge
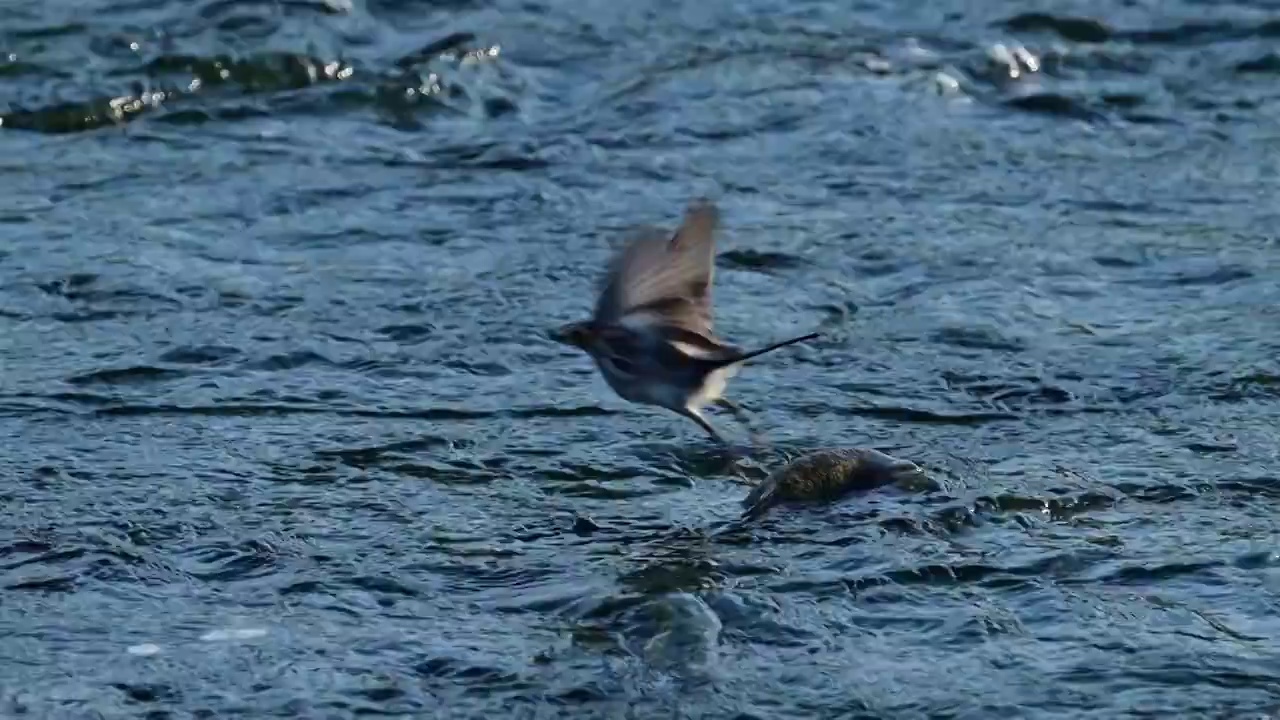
point(830, 474)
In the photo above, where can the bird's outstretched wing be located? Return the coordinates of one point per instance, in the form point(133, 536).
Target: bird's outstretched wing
point(663, 278)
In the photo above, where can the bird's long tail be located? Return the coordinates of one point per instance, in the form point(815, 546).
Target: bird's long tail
point(742, 357)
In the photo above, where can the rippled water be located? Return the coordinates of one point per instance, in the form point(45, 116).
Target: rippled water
point(284, 435)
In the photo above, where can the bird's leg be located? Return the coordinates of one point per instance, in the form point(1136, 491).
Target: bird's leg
point(733, 453)
point(741, 416)
point(696, 416)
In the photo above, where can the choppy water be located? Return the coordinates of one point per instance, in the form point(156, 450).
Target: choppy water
point(283, 435)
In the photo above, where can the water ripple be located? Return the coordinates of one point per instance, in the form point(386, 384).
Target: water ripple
point(287, 436)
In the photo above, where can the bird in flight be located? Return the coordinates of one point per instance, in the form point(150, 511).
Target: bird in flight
point(650, 334)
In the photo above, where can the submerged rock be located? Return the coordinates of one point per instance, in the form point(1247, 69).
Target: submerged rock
point(583, 525)
point(828, 475)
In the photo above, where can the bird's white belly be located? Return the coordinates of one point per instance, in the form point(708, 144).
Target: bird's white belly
point(713, 387)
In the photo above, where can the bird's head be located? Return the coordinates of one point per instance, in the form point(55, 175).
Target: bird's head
point(578, 334)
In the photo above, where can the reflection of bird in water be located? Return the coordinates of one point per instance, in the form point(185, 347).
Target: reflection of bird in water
point(827, 475)
point(650, 334)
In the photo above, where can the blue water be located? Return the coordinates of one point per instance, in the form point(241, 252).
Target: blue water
point(284, 435)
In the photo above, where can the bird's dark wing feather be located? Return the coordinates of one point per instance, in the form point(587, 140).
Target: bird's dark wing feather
point(663, 278)
point(667, 349)
point(695, 345)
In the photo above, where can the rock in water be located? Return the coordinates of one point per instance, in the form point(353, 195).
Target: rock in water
point(827, 475)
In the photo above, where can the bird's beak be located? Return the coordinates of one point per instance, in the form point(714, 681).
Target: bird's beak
point(574, 334)
point(563, 334)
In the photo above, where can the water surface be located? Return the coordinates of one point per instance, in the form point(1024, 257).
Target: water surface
point(284, 435)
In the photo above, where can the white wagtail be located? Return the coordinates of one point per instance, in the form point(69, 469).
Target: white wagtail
point(650, 334)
